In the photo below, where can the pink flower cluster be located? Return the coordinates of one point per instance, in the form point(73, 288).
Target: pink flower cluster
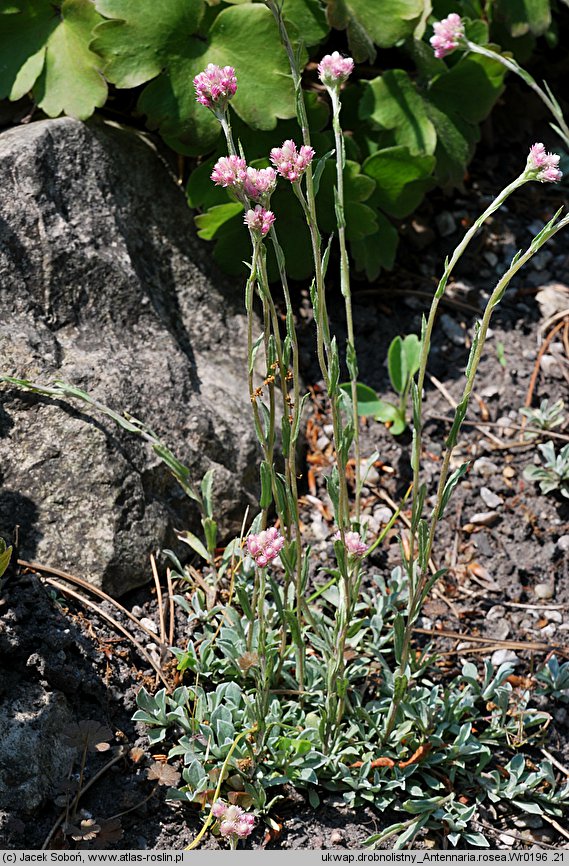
point(233, 171)
point(334, 69)
point(545, 164)
point(260, 182)
point(233, 820)
point(265, 546)
point(215, 86)
point(447, 35)
point(290, 162)
point(354, 544)
point(229, 171)
point(259, 220)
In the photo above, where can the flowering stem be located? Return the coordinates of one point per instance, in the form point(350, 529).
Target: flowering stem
point(345, 283)
point(419, 588)
point(546, 97)
point(291, 462)
point(427, 331)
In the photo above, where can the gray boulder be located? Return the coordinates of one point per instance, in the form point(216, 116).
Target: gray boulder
point(104, 285)
point(33, 760)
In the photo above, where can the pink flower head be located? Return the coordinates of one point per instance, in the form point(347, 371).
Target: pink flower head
point(234, 821)
point(265, 546)
point(334, 69)
point(354, 544)
point(229, 171)
point(448, 34)
point(259, 220)
point(545, 164)
point(260, 182)
point(290, 162)
point(215, 86)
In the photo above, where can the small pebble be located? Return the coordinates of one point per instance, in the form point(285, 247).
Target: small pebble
point(500, 630)
point(548, 631)
point(551, 366)
point(563, 543)
point(490, 391)
point(554, 616)
point(505, 839)
point(149, 624)
point(501, 656)
point(383, 514)
point(561, 715)
point(484, 467)
point(484, 518)
point(496, 612)
point(336, 837)
point(508, 472)
point(544, 590)
point(445, 223)
point(452, 330)
point(491, 258)
point(490, 499)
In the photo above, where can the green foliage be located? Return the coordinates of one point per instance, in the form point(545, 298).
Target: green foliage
point(544, 417)
point(553, 475)
point(464, 731)
point(5, 557)
point(45, 50)
point(402, 363)
point(408, 130)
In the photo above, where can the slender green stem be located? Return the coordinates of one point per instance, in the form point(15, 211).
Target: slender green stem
point(417, 589)
point(345, 285)
point(546, 96)
point(428, 330)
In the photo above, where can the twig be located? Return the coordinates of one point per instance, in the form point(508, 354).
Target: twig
point(171, 610)
point(80, 793)
point(531, 646)
point(37, 566)
point(159, 599)
point(534, 606)
point(554, 761)
point(517, 836)
point(453, 404)
point(91, 604)
point(555, 824)
point(542, 433)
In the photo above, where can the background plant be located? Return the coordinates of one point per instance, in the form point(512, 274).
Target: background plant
point(123, 46)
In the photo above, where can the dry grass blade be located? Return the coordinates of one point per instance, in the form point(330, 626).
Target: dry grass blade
point(159, 599)
point(453, 404)
point(112, 621)
point(78, 581)
point(531, 646)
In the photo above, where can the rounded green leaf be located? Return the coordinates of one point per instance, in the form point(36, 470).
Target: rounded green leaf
point(71, 81)
point(383, 22)
point(397, 365)
point(376, 251)
point(368, 401)
point(137, 43)
point(46, 48)
point(401, 179)
point(471, 88)
point(412, 350)
point(140, 46)
point(360, 219)
point(456, 139)
point(393, 103)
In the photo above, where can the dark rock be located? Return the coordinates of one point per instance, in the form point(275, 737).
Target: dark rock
point(104, 285)
point(32, 758)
